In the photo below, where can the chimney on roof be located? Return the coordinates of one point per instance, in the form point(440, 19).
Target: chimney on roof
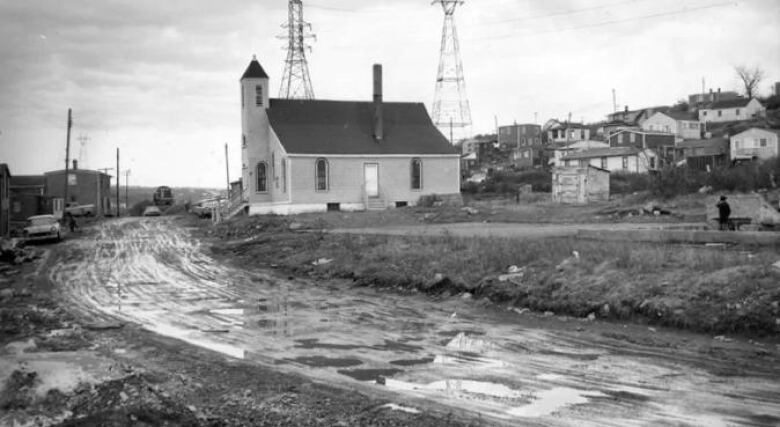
point(378, 118)
point(75, 164)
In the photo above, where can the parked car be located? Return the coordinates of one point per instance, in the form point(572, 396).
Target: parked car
point(152, 211)
point(204, 207)
point(76, 209)
point(42, 227)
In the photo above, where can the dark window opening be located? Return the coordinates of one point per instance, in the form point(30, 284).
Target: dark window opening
point(416, 174)
point(259, 96)
point(321, 173)
point(261, 178)
point(334, 207)
point(401, 204)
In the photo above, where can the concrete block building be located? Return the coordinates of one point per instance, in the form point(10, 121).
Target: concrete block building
point(316, 155)
point(85, 187)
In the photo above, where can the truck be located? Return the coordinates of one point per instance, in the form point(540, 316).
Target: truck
point(76, 209)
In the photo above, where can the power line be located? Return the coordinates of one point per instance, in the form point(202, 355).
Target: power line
point(562, 13)
point(614, 21)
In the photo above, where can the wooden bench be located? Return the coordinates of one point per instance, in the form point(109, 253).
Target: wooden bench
point(734, 222)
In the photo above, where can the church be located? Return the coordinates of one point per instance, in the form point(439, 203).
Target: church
point(318, 155)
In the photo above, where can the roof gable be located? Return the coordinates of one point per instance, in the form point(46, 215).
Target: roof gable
point(681, 115)
point(28, 181)
point(730, 103)
point(775, 132)
point(346, 128)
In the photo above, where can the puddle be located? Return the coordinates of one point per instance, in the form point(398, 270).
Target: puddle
point(575, 356)
point(459, 386)
point(315, 343)
point(553, 400)
point(397, 346)
point(369, 374)
point(465, 343)
point(228, 311)
point(394, 407)
point(412, 362)
point(322, 361)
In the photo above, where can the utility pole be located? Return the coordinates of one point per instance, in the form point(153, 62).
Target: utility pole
point(100, 195)
point(614, 101)
point(67, 161)
point(227, 171)
point(127, 184)
point(118, 175)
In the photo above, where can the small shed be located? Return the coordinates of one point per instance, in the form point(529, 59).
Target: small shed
point(580, 184)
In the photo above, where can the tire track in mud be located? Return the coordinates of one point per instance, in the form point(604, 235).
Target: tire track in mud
point(151, 272)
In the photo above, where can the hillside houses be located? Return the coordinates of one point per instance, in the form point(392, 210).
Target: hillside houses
point(732, 110)
point(754, 143)
point(614, 159)
point(682, 124)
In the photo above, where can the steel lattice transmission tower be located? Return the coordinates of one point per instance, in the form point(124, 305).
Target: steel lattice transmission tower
point(451, 112)
point(295, 79)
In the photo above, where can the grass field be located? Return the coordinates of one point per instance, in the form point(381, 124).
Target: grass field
point(698, 288)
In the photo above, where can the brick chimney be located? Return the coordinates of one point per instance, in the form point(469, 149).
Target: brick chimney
point(378, 117)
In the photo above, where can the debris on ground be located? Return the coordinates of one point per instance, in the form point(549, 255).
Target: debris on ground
point(322, 261)
point(13, 251)
point(776, 265)
point(103, 325)
point(513, 273)
point(469, 210)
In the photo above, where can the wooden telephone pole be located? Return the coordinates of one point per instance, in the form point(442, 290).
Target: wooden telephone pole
point(118, 175)
point(67, 167)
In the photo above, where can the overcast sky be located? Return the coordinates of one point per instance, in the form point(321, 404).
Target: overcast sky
point(159, 79)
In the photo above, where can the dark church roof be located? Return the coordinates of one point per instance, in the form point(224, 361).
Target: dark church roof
point(254, 71)
point(346, 127)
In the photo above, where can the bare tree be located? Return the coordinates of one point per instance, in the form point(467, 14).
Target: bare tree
point(750, 78)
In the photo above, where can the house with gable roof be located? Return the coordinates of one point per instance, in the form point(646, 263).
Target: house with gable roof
point(729, 110)
point(682, 124)
point(316, 155)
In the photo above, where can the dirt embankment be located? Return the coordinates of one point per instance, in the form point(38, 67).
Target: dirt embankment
point(59, 369)
point(716, 290)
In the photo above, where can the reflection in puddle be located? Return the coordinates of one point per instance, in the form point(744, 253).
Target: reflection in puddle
point(465, 343)
point(322, 361)
point(550, 401)
point(459, 387)
point(369, 374)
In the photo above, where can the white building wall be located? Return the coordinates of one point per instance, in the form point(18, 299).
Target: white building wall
point(660, 123)
point(255, 144)
point(754, 142)
point(753, 108)
point(635, 163)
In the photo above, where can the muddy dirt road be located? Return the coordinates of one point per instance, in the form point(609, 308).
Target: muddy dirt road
point(457, 353)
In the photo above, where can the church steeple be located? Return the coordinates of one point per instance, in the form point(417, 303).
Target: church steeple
point(254, 70)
